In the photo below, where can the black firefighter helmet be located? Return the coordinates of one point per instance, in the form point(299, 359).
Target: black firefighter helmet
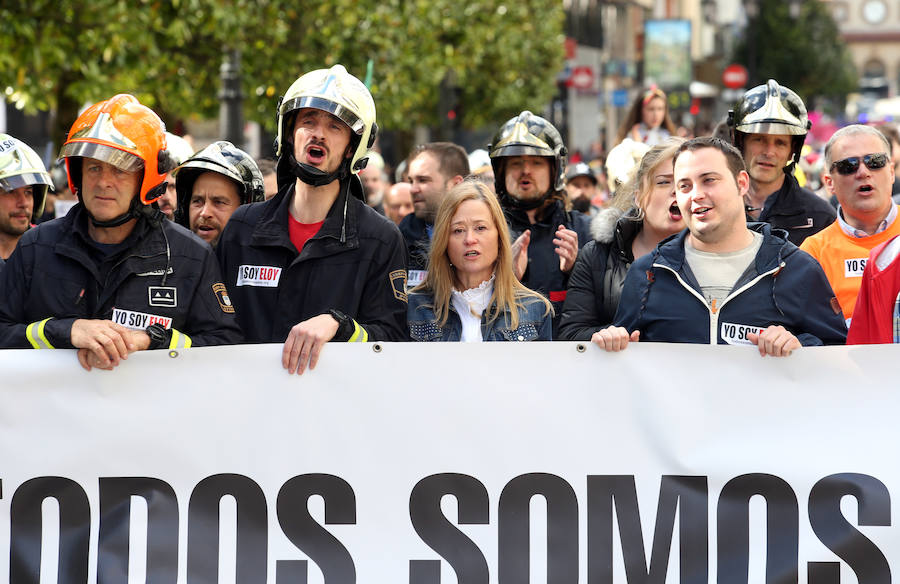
point(770, 109)
point(226, 159)
point(528, 135)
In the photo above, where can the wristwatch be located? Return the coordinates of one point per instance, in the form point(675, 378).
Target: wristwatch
point(160, 336)
point(345, 325)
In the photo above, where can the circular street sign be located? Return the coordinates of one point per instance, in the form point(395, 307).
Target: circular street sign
point(582, 78)
point(735, 76)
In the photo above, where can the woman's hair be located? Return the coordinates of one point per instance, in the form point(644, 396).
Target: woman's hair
point(635, 114)
point(441, 277)
point(636, 191)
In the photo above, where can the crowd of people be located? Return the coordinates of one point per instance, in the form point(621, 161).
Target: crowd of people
point(710, 239)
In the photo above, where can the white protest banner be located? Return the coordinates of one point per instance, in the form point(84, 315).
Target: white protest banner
point(498, 463)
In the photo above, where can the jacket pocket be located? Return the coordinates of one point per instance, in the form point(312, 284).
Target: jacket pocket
point(526, 331)
point(425, 331)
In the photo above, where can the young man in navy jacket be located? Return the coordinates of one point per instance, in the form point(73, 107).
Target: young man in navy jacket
point(722, 281)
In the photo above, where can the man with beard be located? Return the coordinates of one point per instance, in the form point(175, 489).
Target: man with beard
point(529, 161)
point(721, 281)
point(23, 189)
point(315, 263)
point(212, 184)
point(581, 188)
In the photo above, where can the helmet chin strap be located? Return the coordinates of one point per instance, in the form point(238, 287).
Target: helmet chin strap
point(135, 210)
point(315, 177)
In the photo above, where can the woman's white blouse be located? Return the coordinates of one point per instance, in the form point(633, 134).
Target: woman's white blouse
point(470, 305)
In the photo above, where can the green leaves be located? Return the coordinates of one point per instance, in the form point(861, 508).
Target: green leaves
point(807, 53)
point(504, 55)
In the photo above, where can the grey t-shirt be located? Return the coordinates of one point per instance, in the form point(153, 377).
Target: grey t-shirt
point(717, 273)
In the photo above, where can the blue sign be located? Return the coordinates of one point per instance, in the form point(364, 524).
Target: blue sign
point(620, 97)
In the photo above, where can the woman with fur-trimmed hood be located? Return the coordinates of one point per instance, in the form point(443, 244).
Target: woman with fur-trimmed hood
point(642, 214)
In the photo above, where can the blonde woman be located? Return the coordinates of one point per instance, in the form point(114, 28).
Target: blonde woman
point(471, 293)
point(642, 214)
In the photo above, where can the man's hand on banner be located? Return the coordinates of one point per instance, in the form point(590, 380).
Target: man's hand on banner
point(103, 340)
point(776, 341)
point(305, 342)
point(614, 338)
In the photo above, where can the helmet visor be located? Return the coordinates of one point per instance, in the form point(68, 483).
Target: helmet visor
point(771, 127)
point(119, 158)
point(343, 113)
point(521, 142)
point(200, 165)
point(11, 183)
point(521, 150)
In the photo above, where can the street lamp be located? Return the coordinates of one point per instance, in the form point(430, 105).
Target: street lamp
point(231, 99)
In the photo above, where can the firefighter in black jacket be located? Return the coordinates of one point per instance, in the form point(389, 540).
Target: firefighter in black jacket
point(315, 263)
point(768, 127)
point(113, 276)
point(529, 160)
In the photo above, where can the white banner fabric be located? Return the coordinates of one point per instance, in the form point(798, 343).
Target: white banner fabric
point(426, 463)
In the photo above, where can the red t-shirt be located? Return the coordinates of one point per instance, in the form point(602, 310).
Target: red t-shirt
point(301, 232)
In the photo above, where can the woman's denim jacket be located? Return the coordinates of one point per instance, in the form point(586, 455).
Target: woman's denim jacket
point(535, 322)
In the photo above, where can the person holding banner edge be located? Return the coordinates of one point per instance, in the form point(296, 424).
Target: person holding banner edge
point(114, 276)
point(315, 263)
point(722, 281)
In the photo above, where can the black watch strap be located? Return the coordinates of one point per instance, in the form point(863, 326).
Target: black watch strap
point(160, 337)
point(345, 325)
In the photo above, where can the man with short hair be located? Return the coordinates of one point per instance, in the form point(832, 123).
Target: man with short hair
point(114, 276)
point(315, 263)
point(581, 188)
point(433, 169)
point(720, 281)
point(860, 175)
point(212, 184)
point(769, 126)
point(24, 182)
point(398, 202)
point(529, 160)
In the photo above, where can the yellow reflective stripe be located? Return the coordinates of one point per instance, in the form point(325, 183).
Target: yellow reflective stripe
point(35, 334)
point(359, 334)
point(179, 340)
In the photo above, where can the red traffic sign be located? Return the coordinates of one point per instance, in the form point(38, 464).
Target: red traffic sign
point(582, 78)
point(735, 76)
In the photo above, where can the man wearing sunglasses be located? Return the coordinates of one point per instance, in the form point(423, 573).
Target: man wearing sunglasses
point(769, 126)
point(859, 173)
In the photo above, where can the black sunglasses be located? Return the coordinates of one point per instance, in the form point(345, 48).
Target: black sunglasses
point(851, 165)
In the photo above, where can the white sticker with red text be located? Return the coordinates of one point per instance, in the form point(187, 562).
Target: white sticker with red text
point(262, 276)
point(139, 320)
